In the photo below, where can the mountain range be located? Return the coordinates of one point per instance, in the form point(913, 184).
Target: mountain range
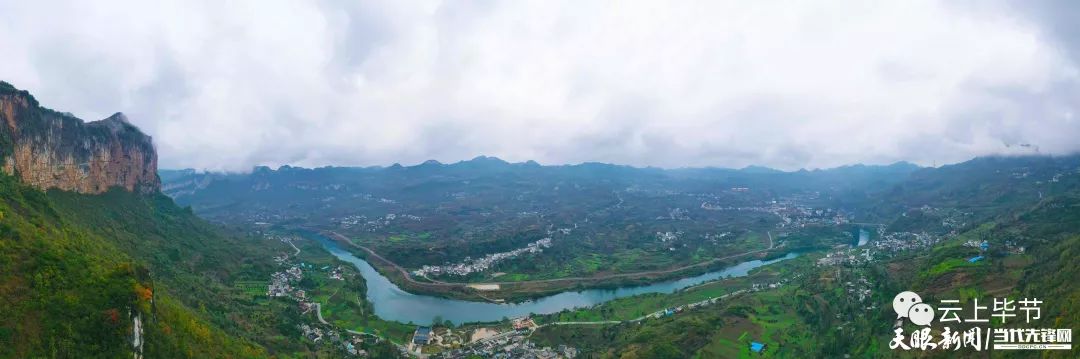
point(104, 255)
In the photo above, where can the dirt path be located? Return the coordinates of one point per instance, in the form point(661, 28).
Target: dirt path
point(409, 277)
point(332, 295)
point(318, 313)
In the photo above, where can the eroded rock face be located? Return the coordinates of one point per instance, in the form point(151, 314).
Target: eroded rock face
point(48, 149)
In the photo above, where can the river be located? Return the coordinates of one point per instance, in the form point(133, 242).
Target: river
point(393, 303)
point(864, 237)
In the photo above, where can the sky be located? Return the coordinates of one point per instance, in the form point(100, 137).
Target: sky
point(227, 85)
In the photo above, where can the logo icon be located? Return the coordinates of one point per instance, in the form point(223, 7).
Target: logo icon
point(903, 302)
point(921, 314)
point(979, 336)
point(909, 305)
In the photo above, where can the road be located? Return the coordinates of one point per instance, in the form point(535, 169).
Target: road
point(409, 278)
point(318, 313)
point(294, 247)
point(638, 319)
point(589, 323)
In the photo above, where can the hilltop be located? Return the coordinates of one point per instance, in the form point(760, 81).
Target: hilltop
point(49, 149)
point(96, 262)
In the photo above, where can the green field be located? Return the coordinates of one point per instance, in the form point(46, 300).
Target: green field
point(251, 288)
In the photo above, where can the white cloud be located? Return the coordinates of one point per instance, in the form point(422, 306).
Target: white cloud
point(787, 84)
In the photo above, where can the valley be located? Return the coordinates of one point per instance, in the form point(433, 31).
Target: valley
point(825, 245)
point(526, 289)
point(539, 179)
point(617, 226)
point(485, 258)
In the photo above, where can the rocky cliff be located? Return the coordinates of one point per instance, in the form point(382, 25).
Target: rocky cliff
point(49, 149)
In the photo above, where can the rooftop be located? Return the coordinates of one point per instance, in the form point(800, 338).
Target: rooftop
point(422, 335)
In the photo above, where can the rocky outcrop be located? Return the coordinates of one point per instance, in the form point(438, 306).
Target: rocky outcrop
point(49, 149)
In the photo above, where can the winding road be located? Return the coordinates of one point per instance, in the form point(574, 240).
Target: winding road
point(318, 313)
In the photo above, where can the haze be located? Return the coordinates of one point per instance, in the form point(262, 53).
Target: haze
point(230, 85)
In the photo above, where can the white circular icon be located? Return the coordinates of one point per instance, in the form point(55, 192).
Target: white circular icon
point(903, 301)
point(921, 314)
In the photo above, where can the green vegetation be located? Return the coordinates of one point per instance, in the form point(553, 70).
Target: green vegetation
point(76, 269)
point(637, 306)
point(1029, 222)
point(602, 219)
point(1033, 246)
point(951, 264)
point(721, 330)
point(342, 301)
point(72, 284)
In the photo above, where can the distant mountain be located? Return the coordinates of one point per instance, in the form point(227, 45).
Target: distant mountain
point(430, 163)
point(482, 166)
point(983, 185)
point(759, 169)
point(484, 160)
point(433, 182)
point(185, 182)
point(876, 191)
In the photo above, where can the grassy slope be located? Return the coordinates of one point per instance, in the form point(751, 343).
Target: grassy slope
point(72, 266)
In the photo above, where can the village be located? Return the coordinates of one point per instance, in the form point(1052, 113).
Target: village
point(481, 264)
point(513, 342)
point(362, 222)
point(487, 343)
point(283, 284)
point(499, 340)
point(789, 210)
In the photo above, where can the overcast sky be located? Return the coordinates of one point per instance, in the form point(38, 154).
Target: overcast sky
point(225, 85)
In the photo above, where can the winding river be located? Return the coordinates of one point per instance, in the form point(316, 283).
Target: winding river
point(392, 303)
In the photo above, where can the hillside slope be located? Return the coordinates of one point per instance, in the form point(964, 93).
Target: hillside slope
point(96, 262)
point(74, 282)
point(1026, 209)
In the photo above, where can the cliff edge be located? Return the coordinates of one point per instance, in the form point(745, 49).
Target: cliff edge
point(49, 149)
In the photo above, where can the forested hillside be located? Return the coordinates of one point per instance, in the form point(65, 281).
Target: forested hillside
point(96, 262)
point(77, 270)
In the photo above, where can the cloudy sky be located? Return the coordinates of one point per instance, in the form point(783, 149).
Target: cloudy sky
point(226, 85)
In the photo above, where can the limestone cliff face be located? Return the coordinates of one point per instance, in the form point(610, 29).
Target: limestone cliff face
point(48, 149)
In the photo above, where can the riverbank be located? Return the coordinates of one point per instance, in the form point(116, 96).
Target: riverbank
point(520, 291)
point(394, 303)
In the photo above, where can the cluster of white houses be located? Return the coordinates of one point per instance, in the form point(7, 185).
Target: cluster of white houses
point(481, 264)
